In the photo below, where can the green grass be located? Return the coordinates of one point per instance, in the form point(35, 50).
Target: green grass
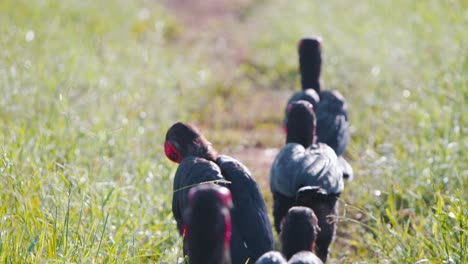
point(88, 89)
point(403, 66)
point(84, 107)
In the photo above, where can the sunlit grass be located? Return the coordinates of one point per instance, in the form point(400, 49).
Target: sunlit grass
point(88, 89)
point(403, 68)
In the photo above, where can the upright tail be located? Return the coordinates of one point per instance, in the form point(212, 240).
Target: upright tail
point(310, 62)
point(325, 207)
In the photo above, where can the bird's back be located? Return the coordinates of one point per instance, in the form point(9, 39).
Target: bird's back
point(191, 171)
point(250, 214)
point(295, 167)
point(332, 121)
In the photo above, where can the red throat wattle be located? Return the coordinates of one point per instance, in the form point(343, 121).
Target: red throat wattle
point(227, 232)
point(171, 152)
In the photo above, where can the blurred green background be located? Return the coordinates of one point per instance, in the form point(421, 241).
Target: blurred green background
point(88, 89)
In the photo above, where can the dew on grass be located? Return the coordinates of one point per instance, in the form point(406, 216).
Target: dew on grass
point(375, 71)
point(27, 64)
point(406, 93)
point(29, 36)
point(103, 82)
point(143, 14)
point(449, 261)
point(61, 67)
point(452, 215)
point(452, 145)
point(203, 74)
point(13, 71)
point(150, 177)
point(396, 107)
point(83, 179)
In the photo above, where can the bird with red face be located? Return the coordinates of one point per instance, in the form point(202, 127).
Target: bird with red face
point(208, 224)
point(304, 163)
point(199, 163)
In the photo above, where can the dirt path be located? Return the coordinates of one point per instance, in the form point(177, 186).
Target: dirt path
point(214, 21)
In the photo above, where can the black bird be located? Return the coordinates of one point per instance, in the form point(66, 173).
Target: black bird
point(305, 257)
point(329, 105)
point(199, 162)
point(325, 206)
point(302, 163)
point(310, 64)
point(299, 231)
point(208, 224)
point(272, 257)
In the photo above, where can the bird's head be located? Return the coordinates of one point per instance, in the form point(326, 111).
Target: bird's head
point(219, 194)
point(310, 62)
point(184, 140)
point(301, 123)
point(312, 43)
point(208, 223)
point(299, 230)
point(316, 198)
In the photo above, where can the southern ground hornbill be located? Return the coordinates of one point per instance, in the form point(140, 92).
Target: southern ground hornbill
point(302, 163)
point(198, 162)
point(208, 224)
point(299, 231)
point(330, 106)
point(297, 237)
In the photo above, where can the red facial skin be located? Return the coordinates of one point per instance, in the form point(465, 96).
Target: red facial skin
point(227, 233)
point(171, 152)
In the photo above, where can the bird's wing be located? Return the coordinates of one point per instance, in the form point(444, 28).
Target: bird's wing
point(283, 184)
point(285, 169)
point(281, 205)
point(250, 214)
point(332, 121)
point(333, 130)
point(321, 168)
point(191, 171)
